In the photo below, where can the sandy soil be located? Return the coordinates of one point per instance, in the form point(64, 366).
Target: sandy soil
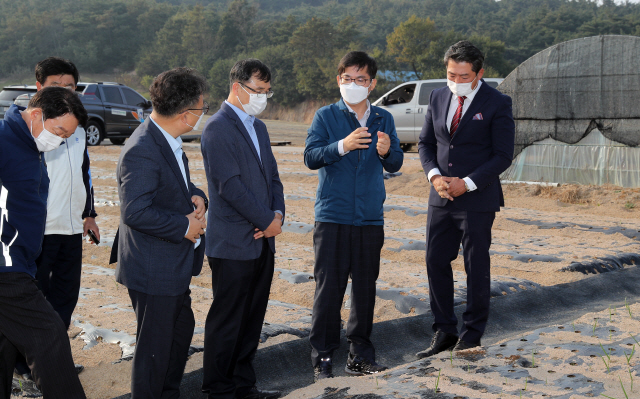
point(541, 231)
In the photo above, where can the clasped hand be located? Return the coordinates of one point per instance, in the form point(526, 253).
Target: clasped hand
point(448, 187)
point(273, 230)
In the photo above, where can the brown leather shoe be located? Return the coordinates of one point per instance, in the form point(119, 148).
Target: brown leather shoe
point(440, 342)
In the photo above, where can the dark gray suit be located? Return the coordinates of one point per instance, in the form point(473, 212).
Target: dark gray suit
point(155, 261)
point(244, 191)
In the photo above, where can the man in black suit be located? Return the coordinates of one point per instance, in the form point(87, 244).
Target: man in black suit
point(246, 213)
point(465, 144)
point(159, 240)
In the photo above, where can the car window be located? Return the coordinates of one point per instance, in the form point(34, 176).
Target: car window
point(133, 98)
point(401, 95)
point(425, 91)
point(11, 95)
point(112, 95)
point(492, 84)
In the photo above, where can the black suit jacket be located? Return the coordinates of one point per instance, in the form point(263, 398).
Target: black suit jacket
point(244, 189)
point(481, 148)
point(153, 255)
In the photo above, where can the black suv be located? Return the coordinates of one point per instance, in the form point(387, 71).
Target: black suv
point(114, 109)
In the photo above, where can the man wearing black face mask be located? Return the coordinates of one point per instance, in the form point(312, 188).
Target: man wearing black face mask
point(350, 143)
point(466, 142)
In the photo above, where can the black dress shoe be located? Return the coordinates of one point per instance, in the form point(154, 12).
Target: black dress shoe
point(440, 342)
point(359, 366)
point(254, 393)
point(323, 370)
point(463, 345)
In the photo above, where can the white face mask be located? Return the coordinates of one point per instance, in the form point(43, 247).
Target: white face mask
point(46, 141)
point(256, 104)
point(354, 94)
point(460, 89)
point(197, 125)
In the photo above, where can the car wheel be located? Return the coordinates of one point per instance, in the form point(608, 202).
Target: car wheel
point(406, 146)
point(117, 141)
point(94, 133)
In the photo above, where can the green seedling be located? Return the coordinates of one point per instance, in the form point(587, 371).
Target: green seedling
point(609, 312)
point(573, 324)
point(451, 357)
point(633, 350)
point(634, 338)
point(605, 363)
point(623, 390)
point(595, 324)
point(376, 377)
point(631, 378)
point(526, 380)
point(626, 305)
point(438, 381)
point(533, 358)
point(605, 352)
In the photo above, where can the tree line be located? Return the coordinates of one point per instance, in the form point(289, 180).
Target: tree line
point(301, 40)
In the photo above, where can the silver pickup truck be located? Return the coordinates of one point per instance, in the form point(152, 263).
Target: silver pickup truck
point(408, 104)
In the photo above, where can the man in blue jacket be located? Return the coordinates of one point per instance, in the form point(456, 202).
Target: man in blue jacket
point(28, 323)
point(350, 142)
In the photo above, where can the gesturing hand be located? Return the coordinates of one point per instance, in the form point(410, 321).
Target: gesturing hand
point(196, 227)
point(384, 142)
point(358, 139)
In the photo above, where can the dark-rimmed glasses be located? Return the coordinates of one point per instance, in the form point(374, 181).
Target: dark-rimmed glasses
point(269, 94)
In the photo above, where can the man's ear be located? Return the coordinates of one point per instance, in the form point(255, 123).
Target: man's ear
point(38, 86)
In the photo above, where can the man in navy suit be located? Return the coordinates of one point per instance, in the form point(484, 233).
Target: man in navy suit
point(159, 244)
point(465, 144)
point(246, 213)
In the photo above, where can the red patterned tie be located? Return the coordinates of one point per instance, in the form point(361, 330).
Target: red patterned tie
point(457, 116)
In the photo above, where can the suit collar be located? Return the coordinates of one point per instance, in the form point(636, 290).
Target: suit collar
point(480, 98)
point(168, 154)
point(231, 113)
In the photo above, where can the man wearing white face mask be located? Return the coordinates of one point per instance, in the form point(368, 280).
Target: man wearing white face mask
point(27, 319)
point(350, 143)
point(465, 144)
point(159, 244)
point(246, 213)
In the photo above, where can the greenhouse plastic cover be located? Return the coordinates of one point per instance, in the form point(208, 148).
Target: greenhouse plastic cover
point(593, 160)
point(572, 88)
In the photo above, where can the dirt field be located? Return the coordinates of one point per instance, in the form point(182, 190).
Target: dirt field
point(541, 231)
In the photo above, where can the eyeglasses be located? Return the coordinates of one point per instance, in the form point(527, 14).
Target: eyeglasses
point(359, 81)
point(204, 109)
point(269, 94)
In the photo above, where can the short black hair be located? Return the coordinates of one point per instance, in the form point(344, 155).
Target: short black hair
point(244, 70)
point(176, 90)
point(359, 59)
point(464, 51)
point(55, 66)
point(58, 101)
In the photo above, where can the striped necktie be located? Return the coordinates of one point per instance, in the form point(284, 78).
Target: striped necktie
point(457, 116)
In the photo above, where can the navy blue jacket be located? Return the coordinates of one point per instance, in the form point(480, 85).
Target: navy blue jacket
point(350, 187)
point(24, 186)
point(244, 191)
point(481, 148)
point(154, 257)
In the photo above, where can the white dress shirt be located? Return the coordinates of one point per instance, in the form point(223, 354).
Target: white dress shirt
point(176, 146)
point(452, 111)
